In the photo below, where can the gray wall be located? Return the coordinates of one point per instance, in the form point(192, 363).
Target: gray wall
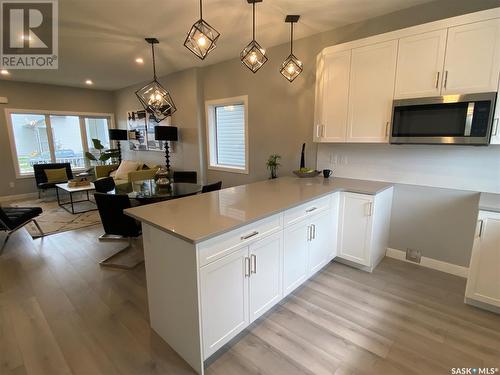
point(41, 97)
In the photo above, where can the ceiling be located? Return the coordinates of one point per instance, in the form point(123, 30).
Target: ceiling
point(100, 39)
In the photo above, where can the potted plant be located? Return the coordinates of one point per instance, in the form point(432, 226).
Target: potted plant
point(104, 155)
point(273, 164)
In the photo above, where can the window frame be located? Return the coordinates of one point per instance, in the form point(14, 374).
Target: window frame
point(211, 131)
point(47, 114)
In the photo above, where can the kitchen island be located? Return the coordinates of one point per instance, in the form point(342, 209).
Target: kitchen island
point(215, 262)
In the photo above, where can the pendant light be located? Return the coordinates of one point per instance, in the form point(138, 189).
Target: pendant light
point(291, 67)
point(253, 55)
point(202, 38)
point(153, 97)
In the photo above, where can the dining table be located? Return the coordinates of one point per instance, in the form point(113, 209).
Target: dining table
point(148, 191)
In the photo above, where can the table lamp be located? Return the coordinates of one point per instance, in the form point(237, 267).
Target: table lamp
point(166, 133)
point(118, 135)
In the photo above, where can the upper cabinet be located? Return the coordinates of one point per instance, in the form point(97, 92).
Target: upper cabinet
point(356, 82)
point(472, 62)
point(420, 65)
point(371, 90)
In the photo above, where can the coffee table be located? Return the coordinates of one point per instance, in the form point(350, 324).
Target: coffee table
point(71, 191)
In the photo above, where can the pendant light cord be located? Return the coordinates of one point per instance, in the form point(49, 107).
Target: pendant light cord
point(154, 63)
point(201, 10)
point(291, 38)
point(253, 30)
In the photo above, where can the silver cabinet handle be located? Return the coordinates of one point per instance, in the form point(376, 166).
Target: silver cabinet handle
point(494, 132)
point(437, 79)
point(370, 209)
point(308, 233)
point(254, 233)
point(313, 231)
point(481, 224)
point(323, 131)
point(318, 127)
point(253, 263)
point(312, 209)
point(445, 78)
point(247, 267)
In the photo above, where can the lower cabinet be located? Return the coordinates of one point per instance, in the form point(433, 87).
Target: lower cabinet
point(238, 288)
point(483, 283)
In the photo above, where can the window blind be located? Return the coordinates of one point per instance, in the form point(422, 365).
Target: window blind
point(230, 135)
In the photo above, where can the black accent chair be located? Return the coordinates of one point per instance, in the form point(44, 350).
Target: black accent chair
point(104, 184)
point(186, 176)
point(211, 187)
point(41, 178)
point(117, 224)
point(14, 218)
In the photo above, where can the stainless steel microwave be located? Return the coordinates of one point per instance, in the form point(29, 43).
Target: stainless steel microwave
point(449, 119)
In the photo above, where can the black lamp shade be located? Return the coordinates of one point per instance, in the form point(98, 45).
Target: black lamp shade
point(118, 135)
point(166, 133)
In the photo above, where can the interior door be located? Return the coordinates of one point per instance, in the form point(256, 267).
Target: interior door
point(335, 97)
point(355, 227)
point(371, 91)
point(420, 65)
point(295, 248)
point(265, 279)
point(224, 299)
point(484, 274)
point(472, 61)
point(321, 244)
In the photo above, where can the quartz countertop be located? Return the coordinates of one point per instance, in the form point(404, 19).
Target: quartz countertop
point(489, 202)
point(200, 217)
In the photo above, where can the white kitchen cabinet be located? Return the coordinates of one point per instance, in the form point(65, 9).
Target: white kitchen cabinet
point(472, 62)
point(321, 246)
point(371, 91)
point(483, 283)
point(420, 65)
point(332, 93)
point(224, 299)
point(265, 274)
point(295, 244)
point(495, 130)
point(364, 228)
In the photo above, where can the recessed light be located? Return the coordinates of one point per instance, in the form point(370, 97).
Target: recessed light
point(89, 82)
point(4, 72)
point(139, 60)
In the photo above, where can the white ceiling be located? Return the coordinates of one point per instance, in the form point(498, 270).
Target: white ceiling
point(100, 39)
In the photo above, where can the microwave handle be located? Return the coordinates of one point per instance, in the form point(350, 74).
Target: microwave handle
point(494, 132)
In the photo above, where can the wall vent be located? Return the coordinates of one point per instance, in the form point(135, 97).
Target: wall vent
point(413, 255)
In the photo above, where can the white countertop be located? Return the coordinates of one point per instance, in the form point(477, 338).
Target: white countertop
point(200, 217)
point(489, 202)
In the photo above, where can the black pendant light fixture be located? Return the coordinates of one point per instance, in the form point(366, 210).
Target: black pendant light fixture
point(291, 67)
point(202, 38)
point(253, 55)
point(153, 97)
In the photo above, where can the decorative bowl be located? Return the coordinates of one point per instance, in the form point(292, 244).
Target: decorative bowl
point(306, 174)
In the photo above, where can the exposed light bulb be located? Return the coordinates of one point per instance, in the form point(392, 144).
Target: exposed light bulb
point(202, 41)
point(290, 68)
point(253, 57)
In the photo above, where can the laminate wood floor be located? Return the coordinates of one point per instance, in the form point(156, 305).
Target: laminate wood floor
point(60, 313)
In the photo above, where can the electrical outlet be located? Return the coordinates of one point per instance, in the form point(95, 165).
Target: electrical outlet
point(12, 185)
point(413, 255)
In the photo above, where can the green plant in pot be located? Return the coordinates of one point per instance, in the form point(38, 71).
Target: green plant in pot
point(104, 155)
point(273, 164)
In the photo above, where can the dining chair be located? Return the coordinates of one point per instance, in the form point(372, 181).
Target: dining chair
point(104, 184)
point(211, 187)
point(186, 176)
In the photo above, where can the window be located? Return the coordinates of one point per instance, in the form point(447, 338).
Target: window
point(40, 137)
point(227, 134)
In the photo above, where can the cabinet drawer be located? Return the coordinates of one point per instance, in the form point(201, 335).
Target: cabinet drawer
point(217, 247)
point(298, 213)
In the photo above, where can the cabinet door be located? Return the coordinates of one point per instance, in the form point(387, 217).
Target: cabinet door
point(371, 91)
point(321, 244)
point(483, 283)
point(472, 61)
point(295, 247)
point(224, 299)
point(420, 65)
point(265, 279)
point(333, 124)
point(355, 227)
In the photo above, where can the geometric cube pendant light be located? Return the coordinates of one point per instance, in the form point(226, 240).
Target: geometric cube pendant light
point(155, 99)
point(202, 38)
point(291, 67)
point(253, 55)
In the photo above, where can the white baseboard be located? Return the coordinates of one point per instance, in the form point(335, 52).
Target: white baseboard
point(430, 263)
point(12, 198)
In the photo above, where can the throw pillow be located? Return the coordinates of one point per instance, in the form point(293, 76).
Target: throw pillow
point(56, 175)
point(126, 166)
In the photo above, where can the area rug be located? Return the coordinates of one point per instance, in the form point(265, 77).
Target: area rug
point(55, 219)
